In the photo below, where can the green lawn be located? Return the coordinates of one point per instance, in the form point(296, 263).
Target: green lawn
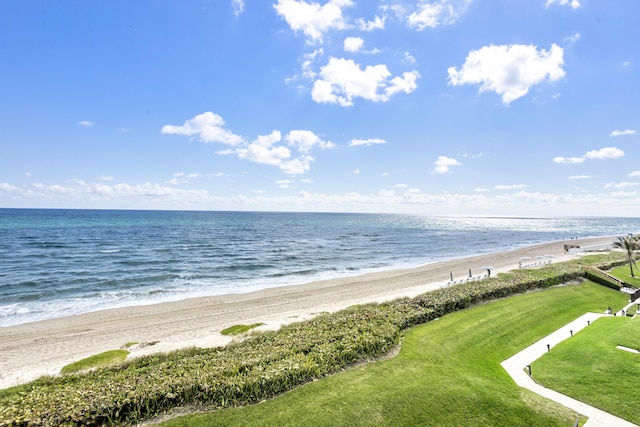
point(447, 373)
point(591, 369)
point(624, 273)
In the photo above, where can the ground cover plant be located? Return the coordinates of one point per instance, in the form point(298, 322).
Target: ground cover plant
point(106, 358)
point(239, 329)
point(260, 367)
point(447, 373)
point(590, 368)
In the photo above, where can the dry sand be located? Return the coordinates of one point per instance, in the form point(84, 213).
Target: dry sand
point(34, 349)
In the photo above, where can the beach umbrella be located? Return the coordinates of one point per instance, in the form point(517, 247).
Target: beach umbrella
point(487, 267)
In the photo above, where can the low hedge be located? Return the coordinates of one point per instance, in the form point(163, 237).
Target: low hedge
point(602, 280)
point(258, 368)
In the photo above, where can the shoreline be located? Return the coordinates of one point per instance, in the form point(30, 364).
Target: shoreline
point(31, 350)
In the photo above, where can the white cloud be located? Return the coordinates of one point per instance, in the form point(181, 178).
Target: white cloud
point(635, 173)
point(409, 58)
point(376, 24)
point(357, 171)
point(85, 123)
point(238, 6)
point(481, 190)
point(208, 127)
point(570, 160)
point(305, 140)
point(444, 164)
point(342, 80)
point(605, 153)
point(353, 44)
point(297, 166)
point(572, 39)
point(509, 70)
point(370, 141)
point(620, 185)
point(510, 186)
point(431, 14)
point(284, 183)
point(580, 177)
point(574, 4)
point(313, 19)
point(623, 132)
point(262, 150)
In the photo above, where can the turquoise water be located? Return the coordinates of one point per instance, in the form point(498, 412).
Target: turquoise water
point(60, 262)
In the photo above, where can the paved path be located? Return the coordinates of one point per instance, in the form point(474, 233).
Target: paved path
point(516, 365)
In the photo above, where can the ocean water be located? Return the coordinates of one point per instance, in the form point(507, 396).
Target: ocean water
point(60, 262)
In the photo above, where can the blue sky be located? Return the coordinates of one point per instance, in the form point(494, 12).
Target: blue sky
point(447, 107)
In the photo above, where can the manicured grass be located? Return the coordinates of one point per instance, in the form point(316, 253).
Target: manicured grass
point(239, 329)
point(101, 360)
point(590, 368)
point(624, 273)
point(447, 373)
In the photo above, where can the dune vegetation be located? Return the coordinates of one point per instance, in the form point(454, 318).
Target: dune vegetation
point(271, 363)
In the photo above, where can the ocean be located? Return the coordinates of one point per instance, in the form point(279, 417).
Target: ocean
point(59, 262)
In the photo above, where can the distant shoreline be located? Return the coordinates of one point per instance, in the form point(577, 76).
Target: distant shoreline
point(34, 349)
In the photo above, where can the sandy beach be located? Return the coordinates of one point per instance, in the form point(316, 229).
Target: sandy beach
point(34, 349)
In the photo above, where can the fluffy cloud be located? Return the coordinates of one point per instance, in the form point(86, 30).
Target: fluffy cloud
point(509, 70)
point(444, 164)
point(574, 4)
point(635, 173)
point(265, 149)
point(370, 141)
point(409, 58)
point(623, 132)
point(85, 123)
point(305, 140)
point(262, 150)
point(570, 160)
point(238, 6)
point(431, 14)
point(620, 185)
point(353, 44)
point(208, 127)
point(342, 80)
point(580, 177)
point(376, 24)
point(605, 153)
point(313, 19)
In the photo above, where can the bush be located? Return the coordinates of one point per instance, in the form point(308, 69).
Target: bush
point(255, 369)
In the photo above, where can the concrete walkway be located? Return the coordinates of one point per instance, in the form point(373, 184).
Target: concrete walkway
point(516, 366)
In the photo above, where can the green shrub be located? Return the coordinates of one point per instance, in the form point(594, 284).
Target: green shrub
point(259, 367)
